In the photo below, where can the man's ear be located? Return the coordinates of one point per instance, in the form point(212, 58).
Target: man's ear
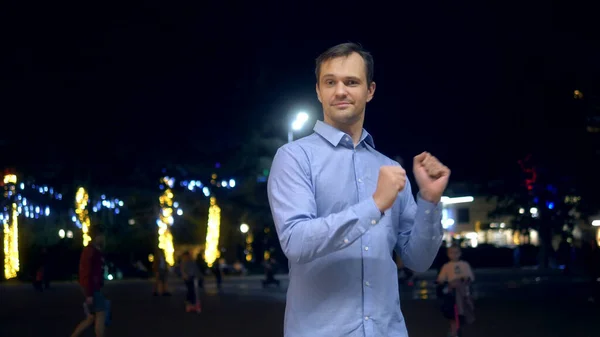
point(370, 91)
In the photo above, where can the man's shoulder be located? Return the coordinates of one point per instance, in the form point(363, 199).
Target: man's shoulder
point(303, 147)
point(311, 141)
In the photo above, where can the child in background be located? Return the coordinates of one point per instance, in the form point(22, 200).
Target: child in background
point(190, 274)
point(454, 281)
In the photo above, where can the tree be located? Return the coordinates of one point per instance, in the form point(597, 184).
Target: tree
point(539, 198)
point(252, 165)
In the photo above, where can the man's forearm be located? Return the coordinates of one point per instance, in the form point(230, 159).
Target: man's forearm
point(304, 240)
point(422, 245)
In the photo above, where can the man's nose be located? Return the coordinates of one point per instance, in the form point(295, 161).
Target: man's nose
point(340, 89)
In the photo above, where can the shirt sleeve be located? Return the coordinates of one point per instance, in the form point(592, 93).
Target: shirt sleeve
point(420, 231)
point(305, 237)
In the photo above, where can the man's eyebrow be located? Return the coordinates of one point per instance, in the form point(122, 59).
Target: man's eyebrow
point(346, 77)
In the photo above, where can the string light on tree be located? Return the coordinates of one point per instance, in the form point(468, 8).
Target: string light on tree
point(11, 230)
point(83, 218)
point(249, 241)
point(267, 254)
point(169, 208)
point(211, 252)
point(165, 221)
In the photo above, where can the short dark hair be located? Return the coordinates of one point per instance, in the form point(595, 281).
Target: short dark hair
point(345, 50)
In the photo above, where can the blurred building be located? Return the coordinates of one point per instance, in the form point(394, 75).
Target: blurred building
point(467, 219)
point(590, 228)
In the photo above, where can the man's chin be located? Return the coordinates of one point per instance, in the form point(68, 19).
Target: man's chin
point(346, 119)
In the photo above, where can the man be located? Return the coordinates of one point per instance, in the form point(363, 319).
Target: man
point(340, 209)
point(91, 279)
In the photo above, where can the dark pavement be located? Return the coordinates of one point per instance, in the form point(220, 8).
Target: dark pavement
point(512, 306)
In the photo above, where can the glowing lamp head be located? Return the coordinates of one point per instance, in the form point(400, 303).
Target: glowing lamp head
point(298, 123)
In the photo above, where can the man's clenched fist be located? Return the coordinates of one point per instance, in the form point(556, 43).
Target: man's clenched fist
point(431, 176)
point(391, 181)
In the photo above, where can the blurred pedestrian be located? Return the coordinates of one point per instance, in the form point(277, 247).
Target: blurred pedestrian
point(270, 266)
point(161, 274)
point(191, 275)
point(91, 280)
point(42, 274)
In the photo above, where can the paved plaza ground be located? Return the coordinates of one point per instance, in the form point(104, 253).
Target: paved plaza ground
point(519, 305)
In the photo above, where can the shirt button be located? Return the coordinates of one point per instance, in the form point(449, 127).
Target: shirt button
point(366, 248)
point(427, 211)
point(367, 283)
point(346, 241)
point(359, 180)
point(373, 222)
point(366, 318)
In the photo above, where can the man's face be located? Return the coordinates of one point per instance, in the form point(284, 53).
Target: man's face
point(343, 91)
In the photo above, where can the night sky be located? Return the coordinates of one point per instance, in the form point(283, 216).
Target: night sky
point(139, 84)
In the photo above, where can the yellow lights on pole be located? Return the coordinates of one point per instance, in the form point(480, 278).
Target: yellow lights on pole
point(11, 231)
point(245, 229)
point(165, 221)
point(249, 241)
point(211, 252)
point(81, 201)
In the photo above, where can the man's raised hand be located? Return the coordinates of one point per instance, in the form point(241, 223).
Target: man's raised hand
point(391, 180)
point(431, 176)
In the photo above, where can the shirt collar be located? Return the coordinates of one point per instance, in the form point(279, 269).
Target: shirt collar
point(334, 136)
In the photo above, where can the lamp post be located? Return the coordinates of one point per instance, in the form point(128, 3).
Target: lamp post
point(248, 239)
point(297, 124)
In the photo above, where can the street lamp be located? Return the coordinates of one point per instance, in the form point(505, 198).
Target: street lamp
point(244, 228)
point(297, 124)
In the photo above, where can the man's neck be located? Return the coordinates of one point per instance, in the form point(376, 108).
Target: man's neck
point(354, 130)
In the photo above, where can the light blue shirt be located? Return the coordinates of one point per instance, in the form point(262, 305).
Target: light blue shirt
point(343, 280)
